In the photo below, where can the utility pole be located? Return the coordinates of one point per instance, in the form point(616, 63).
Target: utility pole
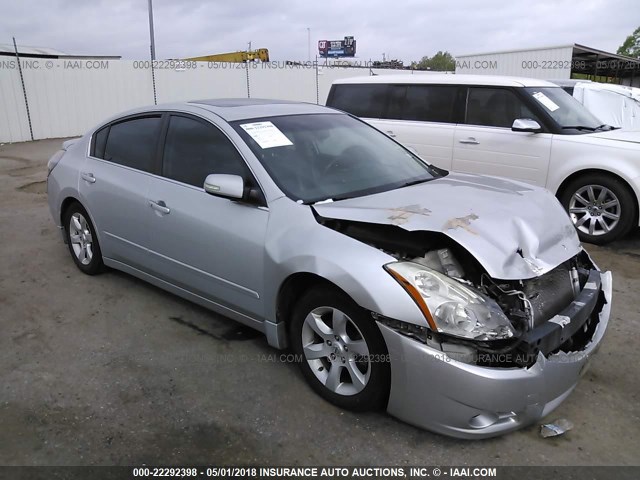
point(153, 53)
point(24, 90)
point(308, 44)
point(153, 41)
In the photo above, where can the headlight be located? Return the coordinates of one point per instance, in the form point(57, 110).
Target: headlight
point(451, 307)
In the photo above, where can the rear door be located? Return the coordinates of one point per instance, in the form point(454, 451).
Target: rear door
point(485, 143)
point(208, 245)
point(113, 185)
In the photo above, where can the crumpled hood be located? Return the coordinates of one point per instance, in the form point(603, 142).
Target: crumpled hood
point(632, 136)
point(516, 231)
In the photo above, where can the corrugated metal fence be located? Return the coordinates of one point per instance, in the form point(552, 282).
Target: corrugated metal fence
point(67, 97)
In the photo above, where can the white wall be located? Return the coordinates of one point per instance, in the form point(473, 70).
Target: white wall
point(545, 63)
point(68, 98)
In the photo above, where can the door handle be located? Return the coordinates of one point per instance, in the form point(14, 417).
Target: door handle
point(160, 207)
point(88, 177)
point(391, 134)
point(470, 141)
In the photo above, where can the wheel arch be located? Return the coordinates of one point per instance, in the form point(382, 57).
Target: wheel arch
point(66, 203)
point(563, 185)
point(293, 287)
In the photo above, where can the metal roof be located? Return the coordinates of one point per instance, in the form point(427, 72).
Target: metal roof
point(596, 62)
point(7, 49)
point(25, 50)
point(516, 50)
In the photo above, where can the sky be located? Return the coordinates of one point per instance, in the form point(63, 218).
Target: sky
point(405, 30)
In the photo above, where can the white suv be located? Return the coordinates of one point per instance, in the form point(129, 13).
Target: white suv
point(520, 128)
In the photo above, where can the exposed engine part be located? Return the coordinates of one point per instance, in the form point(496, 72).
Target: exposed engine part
point(523, 314)
point(575, 281)
point(443, 261)
point(550, 293)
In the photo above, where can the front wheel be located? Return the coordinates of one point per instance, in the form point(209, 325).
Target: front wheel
point(601, 207)
point(342, 353)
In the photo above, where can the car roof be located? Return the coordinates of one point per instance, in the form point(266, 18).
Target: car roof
point(449, 79)
point(232, 109)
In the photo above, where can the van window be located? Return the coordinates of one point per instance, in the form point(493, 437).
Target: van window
point(426, 103)
point(365, 100)
point(495, 107)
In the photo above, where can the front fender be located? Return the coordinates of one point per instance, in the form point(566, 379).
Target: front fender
point(355, 267)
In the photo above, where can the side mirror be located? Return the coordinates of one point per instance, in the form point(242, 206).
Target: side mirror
point(526, 125)
point(222, 185)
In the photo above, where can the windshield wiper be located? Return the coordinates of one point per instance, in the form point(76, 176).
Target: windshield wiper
point(579, 127)
point(327, 200)
point(415, 182)
point(606, 127)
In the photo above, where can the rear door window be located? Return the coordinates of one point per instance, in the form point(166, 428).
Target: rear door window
point(133, 143)
point(364, 100)
point(99, 142)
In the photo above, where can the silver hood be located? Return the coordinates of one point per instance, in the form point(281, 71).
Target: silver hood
point(516, 231)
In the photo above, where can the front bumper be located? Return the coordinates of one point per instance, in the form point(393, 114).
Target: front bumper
point(433, 391)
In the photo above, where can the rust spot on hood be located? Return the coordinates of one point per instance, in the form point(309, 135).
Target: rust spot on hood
point(461, 222)
point(401, 215)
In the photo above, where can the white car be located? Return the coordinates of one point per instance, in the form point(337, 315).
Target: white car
point(616, 105)
point(525, 129)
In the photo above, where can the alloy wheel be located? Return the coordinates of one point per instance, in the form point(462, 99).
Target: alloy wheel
point(81, 238)
point(336, 351)
point(595, 210)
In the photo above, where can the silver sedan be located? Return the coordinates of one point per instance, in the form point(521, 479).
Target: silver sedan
point(459, 303)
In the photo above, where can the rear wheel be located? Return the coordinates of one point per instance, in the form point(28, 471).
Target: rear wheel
point(601, 207)
point(82, 240)
point(342, 352)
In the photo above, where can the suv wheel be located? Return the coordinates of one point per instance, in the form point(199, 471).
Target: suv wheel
point(600, 206)
point(342, 353)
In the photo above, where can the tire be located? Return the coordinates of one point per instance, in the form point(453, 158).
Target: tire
point(330, 333)
point(601, 206)
point(82, 240)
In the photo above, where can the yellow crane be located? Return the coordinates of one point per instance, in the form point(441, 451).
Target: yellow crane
point(261, 54)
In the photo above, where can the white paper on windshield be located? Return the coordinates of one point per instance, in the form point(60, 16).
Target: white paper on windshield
point(546, 101)
point(266, 134)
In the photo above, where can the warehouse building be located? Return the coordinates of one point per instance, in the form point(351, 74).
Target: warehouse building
point(555, 63)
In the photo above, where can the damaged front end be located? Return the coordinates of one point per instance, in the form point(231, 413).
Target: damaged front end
point(475, 318)
point(493, 354)
point(508, 323)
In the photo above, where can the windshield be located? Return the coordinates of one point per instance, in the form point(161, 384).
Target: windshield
point(330, 156)
point(567, 112)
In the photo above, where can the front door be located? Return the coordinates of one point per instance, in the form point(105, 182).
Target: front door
point(211, 246)
point(485, 143)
